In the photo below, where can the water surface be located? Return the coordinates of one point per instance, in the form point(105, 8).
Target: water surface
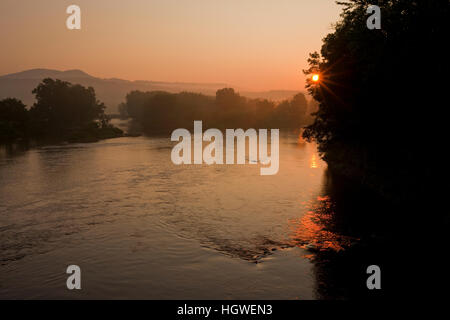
point(142, 227)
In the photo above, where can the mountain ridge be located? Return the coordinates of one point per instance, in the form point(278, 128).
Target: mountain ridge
point(46, 73)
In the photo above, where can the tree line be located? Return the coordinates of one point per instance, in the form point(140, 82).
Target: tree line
point(71, 112)
point(159, 111)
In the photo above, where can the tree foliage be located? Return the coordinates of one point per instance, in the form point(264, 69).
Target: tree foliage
point(13, 119)
point(61, 107)
point(162, 111)
point(62, 111)
point(380, 90)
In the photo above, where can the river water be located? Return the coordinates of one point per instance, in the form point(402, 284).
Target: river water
point(141, 227)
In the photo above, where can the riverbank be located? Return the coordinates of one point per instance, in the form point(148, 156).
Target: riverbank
point(75, 137)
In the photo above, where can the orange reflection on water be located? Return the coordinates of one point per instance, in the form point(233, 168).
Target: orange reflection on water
point(312, 231)
point(314, 164)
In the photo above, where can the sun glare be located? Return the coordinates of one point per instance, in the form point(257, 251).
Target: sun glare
point(315, 77)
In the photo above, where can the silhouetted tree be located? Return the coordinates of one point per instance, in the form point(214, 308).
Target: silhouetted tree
point(13, 119)
point(291, 113)
point(374, 87)
point(162, 111)
point(228, 98)
point(67, 111)
point(135, 101)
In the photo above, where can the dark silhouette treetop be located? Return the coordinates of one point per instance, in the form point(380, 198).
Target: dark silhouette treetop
point(62, 106)
point(12, 109)
point(380, 91)
point(13, 119)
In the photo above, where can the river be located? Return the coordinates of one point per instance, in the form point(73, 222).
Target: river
point(141, 227)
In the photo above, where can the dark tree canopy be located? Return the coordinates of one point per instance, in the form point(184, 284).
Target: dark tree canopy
point(288, 112)
point(228, 98)
point(61, 106)
point(162, 111)
point(62, 112)
point(13, 119)
point(381, 91)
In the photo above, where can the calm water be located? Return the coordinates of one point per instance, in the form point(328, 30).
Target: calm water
point(141, 227)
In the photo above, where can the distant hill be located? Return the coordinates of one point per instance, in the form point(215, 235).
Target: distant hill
point(111, 91)
point(47, 73)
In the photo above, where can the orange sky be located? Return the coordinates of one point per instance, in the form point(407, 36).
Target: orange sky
point(250, 44)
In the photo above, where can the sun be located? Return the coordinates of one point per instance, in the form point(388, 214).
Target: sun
point(315, 77)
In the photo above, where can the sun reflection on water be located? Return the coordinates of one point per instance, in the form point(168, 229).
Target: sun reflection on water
point(314, 164)
point(313, 230)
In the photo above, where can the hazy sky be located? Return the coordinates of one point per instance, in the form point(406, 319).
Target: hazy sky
point(251, 44)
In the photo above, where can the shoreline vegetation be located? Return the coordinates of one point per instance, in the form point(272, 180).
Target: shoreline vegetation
point(70, 113)
point(63, 112)
point(158, 112)
point(379, 95)
point(378, 127)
